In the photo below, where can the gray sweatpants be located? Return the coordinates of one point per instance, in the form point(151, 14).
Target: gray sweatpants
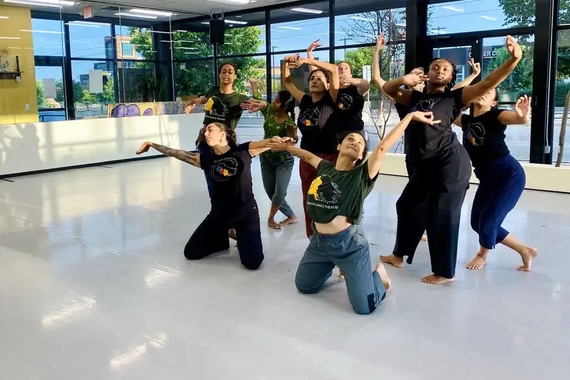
point(349, 250)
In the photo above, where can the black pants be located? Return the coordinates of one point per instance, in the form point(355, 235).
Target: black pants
point(211, 236)
point(431, 202)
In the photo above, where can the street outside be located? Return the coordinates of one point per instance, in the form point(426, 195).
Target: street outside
point(250, 127)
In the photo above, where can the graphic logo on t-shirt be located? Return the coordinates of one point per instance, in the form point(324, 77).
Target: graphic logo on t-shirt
point(223, 169)
point(216, 109)
point(344, 101)
point(426, 105)
point(324, 191)
point(315, 116)
point(475, 133)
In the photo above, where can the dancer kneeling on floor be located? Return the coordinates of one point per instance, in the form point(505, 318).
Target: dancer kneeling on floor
point(501, 176)
point(335, 202)
point(233, 203)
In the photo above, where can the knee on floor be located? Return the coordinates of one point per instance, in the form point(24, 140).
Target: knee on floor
point(252, 264)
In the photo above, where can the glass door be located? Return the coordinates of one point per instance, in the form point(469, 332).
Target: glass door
point(50, 88)
point(459, 52)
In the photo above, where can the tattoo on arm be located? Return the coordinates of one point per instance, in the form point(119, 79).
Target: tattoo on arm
point(190, 157)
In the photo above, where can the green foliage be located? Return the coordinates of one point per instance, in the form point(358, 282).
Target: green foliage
point(195, 76)
point(520, 79)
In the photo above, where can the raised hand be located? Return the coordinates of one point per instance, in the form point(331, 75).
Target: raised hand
point(144, 147)
point(315, 44)
point(413, 79)
point(345, 80)
point(253, 105)
point(514, 48)
point(424, 117)
point(189, 108)
point(522, 108)
point(380, 42)
point(475, 66)
point(253, 81)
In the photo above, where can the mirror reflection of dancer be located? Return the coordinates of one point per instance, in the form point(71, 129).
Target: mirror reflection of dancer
point(335, 202)
point(501, 176)
point(403, 109)
point(233, 203)
point(276, 167)
point(441, 171)
point(318, 129)
point(350, 99)
point(222, 105)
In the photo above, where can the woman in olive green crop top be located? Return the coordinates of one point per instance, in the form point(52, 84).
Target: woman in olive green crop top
point(334, 202)
point(276, 167)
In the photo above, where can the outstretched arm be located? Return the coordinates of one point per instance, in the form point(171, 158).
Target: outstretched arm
point(520, 116)
point(476, 68)
point(286, 144)
point(258, 147)
point(495, 78)
point(377, 156)
point(189, 157)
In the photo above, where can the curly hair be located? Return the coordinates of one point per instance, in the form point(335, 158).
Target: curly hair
point(231, 136)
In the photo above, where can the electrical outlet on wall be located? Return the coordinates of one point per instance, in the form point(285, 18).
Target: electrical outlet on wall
point(27, 107)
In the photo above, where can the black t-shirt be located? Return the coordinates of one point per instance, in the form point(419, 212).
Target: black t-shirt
point(426, 140)
point(222, 108)
point(402, 110)
point(318, 124)
point(484, 137)
point(232, 186)
point(349, 106)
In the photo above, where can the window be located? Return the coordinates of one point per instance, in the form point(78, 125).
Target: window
point(294, 28)
point(133, 43)
point(564, 12)
point(127, 50)
point(562, 90)
point(479, 15)
point(48, 37)
point(193, 78)
point(365, 26)
point(89, 104)
point(89, 39)
point(244, 35)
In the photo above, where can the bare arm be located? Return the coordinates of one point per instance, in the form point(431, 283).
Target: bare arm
point(376, 77)
point(258, 147)
point(521, 114)
point(288, 81)
point(377, 156)
point(394, 90)
point(470, 93)
point(192, 158)
point(315, 44)
point(292, 131)
point(331, 69)
point(304, 155)
point(362, 85)
point(476, 67)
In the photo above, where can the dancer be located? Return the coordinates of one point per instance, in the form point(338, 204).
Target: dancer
point(276, 167)
point(402, 109)
point(223, 105)
point(233, 203)
point(318, 128)
point(501, 176)
point(434, 195)
point(350, 99)
point(335, 203)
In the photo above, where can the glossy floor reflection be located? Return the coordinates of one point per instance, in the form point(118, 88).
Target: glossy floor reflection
point(93, 285)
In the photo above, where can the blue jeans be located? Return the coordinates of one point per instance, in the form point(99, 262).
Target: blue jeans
point(349, 250)
point(204, 149)
point(501, 185)
point(276, 176)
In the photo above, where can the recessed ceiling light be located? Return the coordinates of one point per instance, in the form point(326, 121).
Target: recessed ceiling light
point(40, 4)
point(239, 2)
point(488, 18)
point(289, 27)
point(135, 15)
point(452, 8)
point(235, 22)
point(151, 12)
point(4, 17)
point(307, 10)
point(10, 38)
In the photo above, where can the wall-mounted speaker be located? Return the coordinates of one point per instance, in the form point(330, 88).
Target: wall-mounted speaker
point(217, 31)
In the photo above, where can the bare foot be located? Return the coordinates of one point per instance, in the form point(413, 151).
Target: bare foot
point(433, 279)
point(528, 254)
point(232, 233)
point(289, 220)
point(424, 237)
point(381, 269)
point(477, 263)
point(398, 262)
point(273, 224)
point(340, 274)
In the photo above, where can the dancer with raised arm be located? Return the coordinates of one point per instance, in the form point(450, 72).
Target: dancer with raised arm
point(223, 105)
point(434, 195)
point(276, 167)
point(350, 99)
point(318, 129)
point(233, 203)
point(501, 176)
point(335, 202)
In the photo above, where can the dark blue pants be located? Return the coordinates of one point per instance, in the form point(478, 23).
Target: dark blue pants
point(204, 149)
point(501, 185)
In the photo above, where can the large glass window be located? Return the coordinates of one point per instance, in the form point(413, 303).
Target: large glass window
point(294, 28)
point(193, 78)
point(241, 37)
point(364, 27)
point(88, 104)
point(479, 15)
point(561, 93)
point(48, 37)
point(564, 12)
point(90, 39)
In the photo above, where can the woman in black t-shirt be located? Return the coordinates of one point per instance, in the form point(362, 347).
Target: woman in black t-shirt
point(501, 176)
point(233, 203)
point(317, 127)
point(434, 195)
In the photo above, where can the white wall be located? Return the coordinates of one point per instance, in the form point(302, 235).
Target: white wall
point(42, 146)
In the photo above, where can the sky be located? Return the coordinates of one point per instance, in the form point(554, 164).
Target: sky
point(88, 40)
